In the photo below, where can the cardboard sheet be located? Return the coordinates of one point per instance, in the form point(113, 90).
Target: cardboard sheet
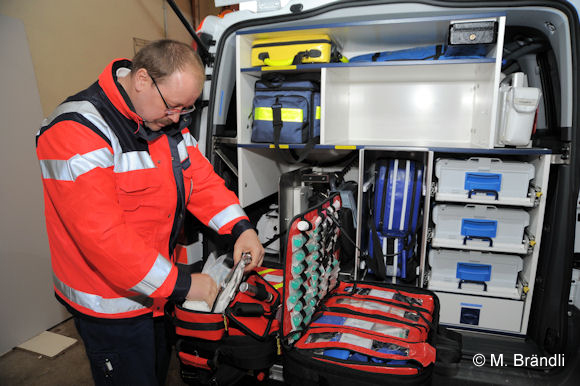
point(48, 344)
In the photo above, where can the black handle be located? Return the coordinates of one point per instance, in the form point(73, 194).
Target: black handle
point(277, 121)
point(484, 284)
point(306, 54)
point(248, 309)
point(478, 238)
point(257, 291)
point(494, 192)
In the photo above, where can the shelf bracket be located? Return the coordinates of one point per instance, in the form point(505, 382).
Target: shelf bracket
point(225, 159)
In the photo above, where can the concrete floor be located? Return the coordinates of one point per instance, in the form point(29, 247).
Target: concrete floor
point(70, 367)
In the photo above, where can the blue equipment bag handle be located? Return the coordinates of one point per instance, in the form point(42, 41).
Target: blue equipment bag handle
point(489, 183)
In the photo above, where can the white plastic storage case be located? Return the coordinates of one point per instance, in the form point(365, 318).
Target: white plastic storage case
point(481, 312)
point(484, 179)
point(474, 272)
point(480, 227)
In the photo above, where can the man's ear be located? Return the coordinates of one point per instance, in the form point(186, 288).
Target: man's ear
point(141, 79)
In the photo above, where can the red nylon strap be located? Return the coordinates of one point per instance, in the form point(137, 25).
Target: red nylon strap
point(193, 360)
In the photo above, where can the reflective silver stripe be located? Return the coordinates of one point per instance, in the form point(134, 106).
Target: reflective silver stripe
point(133, 160)
point(405, 196)
point(182, 151)
point(393, 196)
point(225, 216)
point(123, 162)
point(89, 111)
point(102, 305)
point(69, 170)
point(155, 278)
point(189, 140)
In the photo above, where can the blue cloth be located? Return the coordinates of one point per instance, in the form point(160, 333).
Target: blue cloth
point(331, 319)
point(435, 52)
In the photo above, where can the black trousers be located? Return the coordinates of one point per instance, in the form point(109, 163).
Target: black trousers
point(127, 352)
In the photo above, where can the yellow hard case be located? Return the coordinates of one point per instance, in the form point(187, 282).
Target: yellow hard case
point(291, 50)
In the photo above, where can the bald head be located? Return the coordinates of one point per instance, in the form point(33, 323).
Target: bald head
point(165, 76)
point(164, 57)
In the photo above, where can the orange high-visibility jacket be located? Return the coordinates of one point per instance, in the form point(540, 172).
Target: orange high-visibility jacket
point(115, 199)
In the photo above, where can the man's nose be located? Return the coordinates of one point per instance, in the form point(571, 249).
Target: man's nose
point(174, 117)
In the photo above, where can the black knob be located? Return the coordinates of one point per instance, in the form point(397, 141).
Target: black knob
point(296, 8)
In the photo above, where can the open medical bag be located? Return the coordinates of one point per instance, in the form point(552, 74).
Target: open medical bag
point(222, 348)
point(353, 333)
point(395, 218)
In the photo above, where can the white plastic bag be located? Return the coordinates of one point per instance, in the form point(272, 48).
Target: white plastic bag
point(218, 270)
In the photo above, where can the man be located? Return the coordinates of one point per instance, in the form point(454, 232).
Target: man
point(119, 169)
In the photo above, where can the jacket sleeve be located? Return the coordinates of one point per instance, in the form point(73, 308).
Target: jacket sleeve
point(209, 200)
point(82, 205)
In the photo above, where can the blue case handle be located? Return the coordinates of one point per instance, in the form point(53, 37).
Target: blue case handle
point(489, 183)
point(475, 227)
point(473, 273)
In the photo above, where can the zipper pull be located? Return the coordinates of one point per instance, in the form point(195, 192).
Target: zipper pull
point(190, 192)
point(108, 368)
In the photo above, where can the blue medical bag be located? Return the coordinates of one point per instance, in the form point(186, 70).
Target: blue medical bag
point(286, 111)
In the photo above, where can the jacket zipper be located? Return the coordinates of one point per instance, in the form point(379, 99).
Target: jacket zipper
point(180, 190)
point(379, 317)
point(400, 305)
point(412, 363)
point(273, 89)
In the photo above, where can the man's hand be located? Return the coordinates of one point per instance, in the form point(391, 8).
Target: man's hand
point(203, 287)
point(249, 242)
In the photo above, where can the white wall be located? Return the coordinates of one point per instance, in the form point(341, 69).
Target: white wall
point(50, 49)
point(71, 41)
point(27, 302)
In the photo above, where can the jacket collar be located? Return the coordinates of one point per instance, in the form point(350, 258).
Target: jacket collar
point(119, 98)
point(115, 92)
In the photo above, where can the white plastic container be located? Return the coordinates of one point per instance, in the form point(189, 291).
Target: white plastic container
point(517, 110)
point(480, 227)
point(476, 273)
point(481, 312)
point(484, 180)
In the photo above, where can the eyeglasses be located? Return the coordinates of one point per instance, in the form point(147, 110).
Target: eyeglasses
point(172, 110)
